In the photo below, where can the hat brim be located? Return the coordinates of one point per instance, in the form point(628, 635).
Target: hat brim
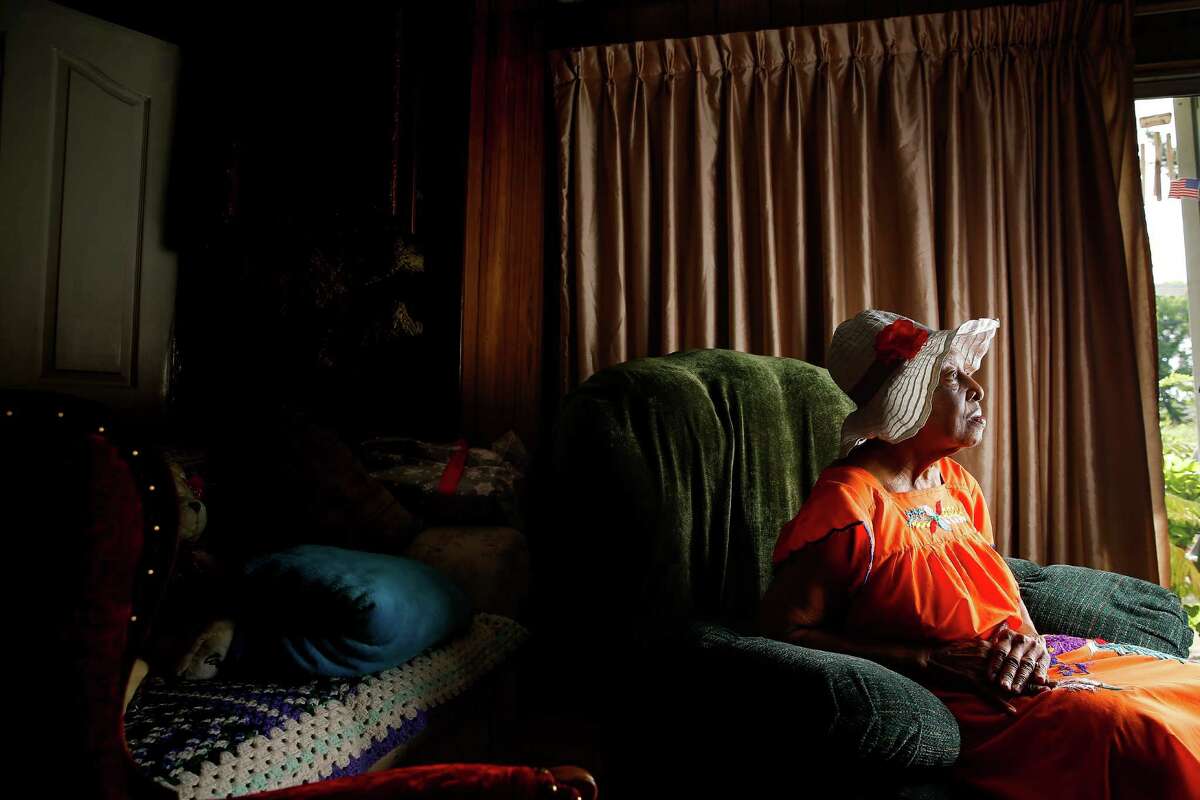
point(902, 405)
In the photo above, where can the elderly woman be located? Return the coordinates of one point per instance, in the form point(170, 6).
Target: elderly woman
point(891, 558)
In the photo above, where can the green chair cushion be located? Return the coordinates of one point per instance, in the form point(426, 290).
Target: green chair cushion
point(1078, 601)
point(848, 705)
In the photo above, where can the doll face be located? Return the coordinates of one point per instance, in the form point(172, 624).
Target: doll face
point(193, 516)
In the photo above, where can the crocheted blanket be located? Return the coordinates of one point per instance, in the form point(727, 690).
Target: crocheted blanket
point(207, 739)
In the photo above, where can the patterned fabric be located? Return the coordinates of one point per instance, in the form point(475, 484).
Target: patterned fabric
point(225, 738)
point(944, 515)
point(1078, 655)
point(883, 717)
point(1133, 649)
point(1093, 604)
point(481, 481)
point(487, 491)
point(1058, 644)
point(385, 450)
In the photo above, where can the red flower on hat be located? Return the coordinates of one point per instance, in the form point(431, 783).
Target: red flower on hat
point(899, 341)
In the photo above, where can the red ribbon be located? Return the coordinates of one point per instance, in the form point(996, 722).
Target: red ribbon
point(454, 469)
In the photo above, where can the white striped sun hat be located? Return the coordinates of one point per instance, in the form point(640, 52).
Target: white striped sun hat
point(890, 366)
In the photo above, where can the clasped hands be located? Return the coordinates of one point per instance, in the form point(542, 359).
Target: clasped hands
point(1009, 664)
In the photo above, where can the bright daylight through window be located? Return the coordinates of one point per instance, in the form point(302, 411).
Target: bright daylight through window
point(1167, 139)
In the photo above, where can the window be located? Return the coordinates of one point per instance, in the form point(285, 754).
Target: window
point(1167, 138)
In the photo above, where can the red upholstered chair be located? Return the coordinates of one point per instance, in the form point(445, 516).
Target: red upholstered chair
point(89, 494)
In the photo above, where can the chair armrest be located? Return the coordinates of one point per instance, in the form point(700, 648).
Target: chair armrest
point(1079, 601)
point(490, 564)
point(855, 708)
point(448, 781)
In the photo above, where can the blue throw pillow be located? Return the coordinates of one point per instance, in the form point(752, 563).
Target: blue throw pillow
point(317, 610)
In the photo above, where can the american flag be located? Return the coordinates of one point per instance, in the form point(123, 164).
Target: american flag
point(1185, 187)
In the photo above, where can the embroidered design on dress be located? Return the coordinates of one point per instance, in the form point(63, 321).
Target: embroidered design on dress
point(1064, 669)
point(934, 518)
point(1057, 645)
point(1085, 685)
point(1133, 650)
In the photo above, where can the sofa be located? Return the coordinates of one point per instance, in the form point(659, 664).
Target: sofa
point(670, 480)
point(107, 525)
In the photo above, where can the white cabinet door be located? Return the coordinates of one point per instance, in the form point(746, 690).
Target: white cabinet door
point(87, 285)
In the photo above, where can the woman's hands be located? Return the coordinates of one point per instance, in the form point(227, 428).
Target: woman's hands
point(1011, 663)
point(965, 665)
point(1019, 662)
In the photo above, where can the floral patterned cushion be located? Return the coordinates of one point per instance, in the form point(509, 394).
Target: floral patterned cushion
point(487, 493)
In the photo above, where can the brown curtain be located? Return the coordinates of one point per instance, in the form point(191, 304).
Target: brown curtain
point(752, 190)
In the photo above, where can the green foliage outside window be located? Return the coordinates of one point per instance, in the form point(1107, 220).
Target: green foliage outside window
point(1181, 472)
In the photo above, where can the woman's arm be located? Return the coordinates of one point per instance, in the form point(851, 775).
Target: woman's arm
point(807, 600)
point(907, 659)
point(1019, 660)
point(1027, 625)
point(803, 606)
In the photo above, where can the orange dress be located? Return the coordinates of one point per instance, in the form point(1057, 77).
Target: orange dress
point(920, 566)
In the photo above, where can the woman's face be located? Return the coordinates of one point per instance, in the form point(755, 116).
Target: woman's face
point(956, 420)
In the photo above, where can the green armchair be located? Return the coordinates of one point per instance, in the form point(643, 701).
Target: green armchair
point(671, 479)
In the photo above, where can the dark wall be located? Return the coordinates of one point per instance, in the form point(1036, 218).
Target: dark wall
point(1166, 38)
point(304, 141)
